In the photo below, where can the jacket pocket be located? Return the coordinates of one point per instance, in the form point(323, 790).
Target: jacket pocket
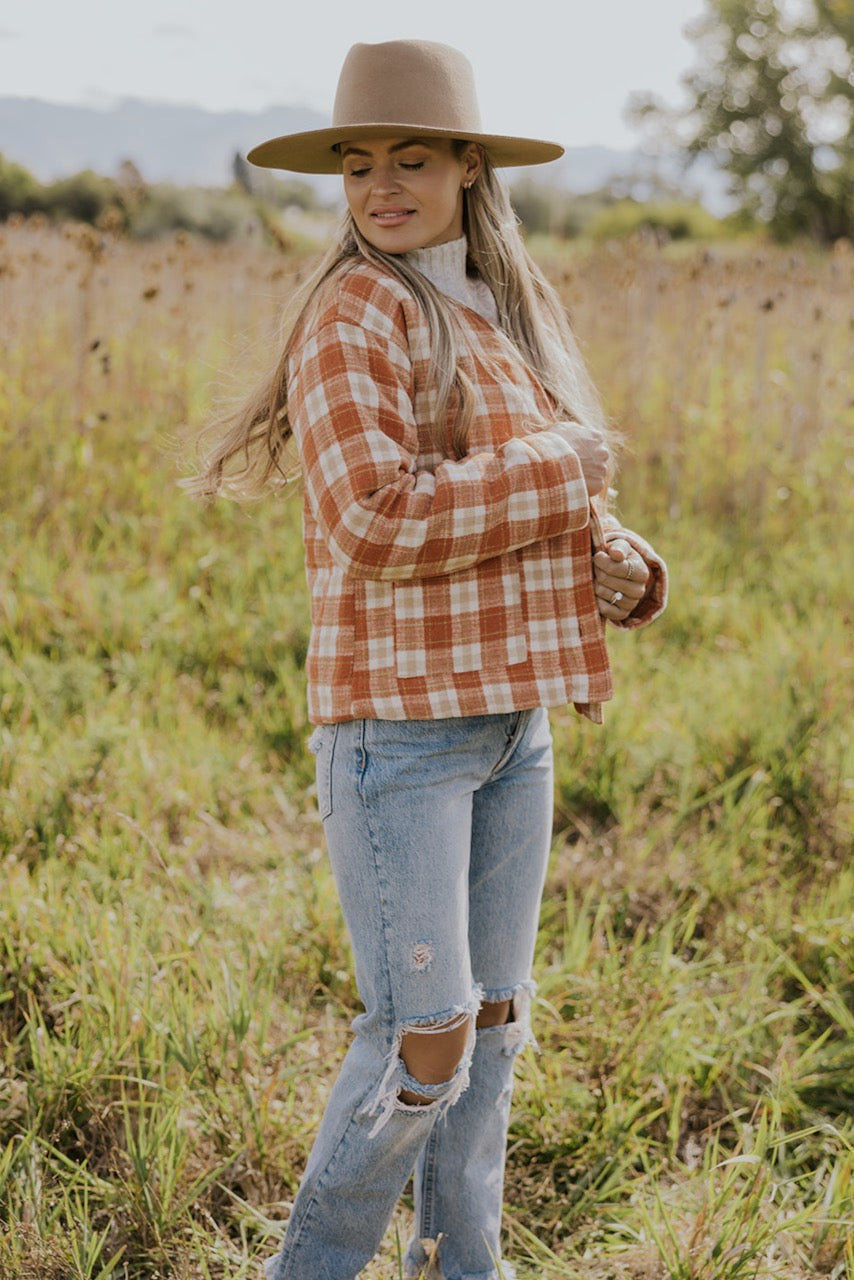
point(467, 621)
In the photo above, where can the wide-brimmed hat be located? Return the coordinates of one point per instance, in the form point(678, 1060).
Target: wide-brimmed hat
point(402, 88)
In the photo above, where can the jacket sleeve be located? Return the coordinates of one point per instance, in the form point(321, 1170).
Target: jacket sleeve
point(350, 402)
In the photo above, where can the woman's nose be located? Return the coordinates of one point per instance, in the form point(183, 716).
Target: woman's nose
point(385, 178)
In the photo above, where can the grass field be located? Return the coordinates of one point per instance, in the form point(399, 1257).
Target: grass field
point(175, 985)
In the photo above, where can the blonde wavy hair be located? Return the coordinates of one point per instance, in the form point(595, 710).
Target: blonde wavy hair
point(245, 453)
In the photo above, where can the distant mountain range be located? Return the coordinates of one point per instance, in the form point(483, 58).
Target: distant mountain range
point(193, 147)
point(167, 143)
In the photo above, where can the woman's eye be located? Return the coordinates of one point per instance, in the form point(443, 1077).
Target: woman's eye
point(416, 164)
point(357, 173)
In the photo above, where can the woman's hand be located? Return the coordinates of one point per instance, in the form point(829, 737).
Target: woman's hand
point(595, 459)
point(593, 453)
point(620, 579)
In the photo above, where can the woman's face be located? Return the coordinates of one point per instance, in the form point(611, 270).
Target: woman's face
point(407, 193)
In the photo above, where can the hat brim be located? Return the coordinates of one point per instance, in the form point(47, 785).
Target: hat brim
point(314, 151)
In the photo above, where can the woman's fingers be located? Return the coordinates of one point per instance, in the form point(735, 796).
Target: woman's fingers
point(620, 575)
point(620, 579)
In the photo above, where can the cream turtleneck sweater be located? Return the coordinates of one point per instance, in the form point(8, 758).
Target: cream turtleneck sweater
point(444, 265)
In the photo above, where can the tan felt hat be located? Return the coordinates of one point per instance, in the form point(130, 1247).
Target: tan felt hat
point(402, 88)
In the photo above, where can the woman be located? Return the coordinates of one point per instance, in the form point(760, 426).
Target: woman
point(456, 467)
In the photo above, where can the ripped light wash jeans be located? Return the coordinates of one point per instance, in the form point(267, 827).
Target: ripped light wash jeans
point(438, 834)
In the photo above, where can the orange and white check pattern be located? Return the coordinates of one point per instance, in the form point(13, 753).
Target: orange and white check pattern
point(439, 587)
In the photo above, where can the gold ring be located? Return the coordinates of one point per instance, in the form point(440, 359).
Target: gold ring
point(631, 572)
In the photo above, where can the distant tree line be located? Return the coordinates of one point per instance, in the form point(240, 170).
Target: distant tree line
point(83, 197)
point(622, 207)
point(255, 200)
point(128, 203)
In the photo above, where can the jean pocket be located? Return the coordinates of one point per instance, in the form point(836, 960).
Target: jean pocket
point(322, 746)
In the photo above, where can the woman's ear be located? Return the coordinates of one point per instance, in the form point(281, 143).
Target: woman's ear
point(473, 161)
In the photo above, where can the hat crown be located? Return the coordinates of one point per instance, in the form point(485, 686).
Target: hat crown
point(417, 82)
point(400, 88)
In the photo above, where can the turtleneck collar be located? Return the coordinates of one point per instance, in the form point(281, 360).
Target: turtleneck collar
point(444, 265)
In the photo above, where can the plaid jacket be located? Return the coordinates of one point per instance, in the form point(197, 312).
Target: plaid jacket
point(438, 587)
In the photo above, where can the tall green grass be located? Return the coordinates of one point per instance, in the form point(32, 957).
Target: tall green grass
point(175, 982)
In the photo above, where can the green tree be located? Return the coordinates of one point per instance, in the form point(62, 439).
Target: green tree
point(20, 192)
point(772, 99)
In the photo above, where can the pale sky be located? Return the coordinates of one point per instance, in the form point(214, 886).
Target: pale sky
point(558, 69)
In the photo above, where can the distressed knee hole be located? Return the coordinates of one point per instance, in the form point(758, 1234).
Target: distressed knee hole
point(427, 1063)
point(432, 1055)
point(514, 1028)
point(495, 1013)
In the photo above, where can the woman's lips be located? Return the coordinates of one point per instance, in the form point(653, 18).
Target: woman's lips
point(391, 217)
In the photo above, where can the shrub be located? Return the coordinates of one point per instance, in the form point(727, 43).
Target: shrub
point(83, 197)
point(20, 192)
point(215, 215)
point(677, 221)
